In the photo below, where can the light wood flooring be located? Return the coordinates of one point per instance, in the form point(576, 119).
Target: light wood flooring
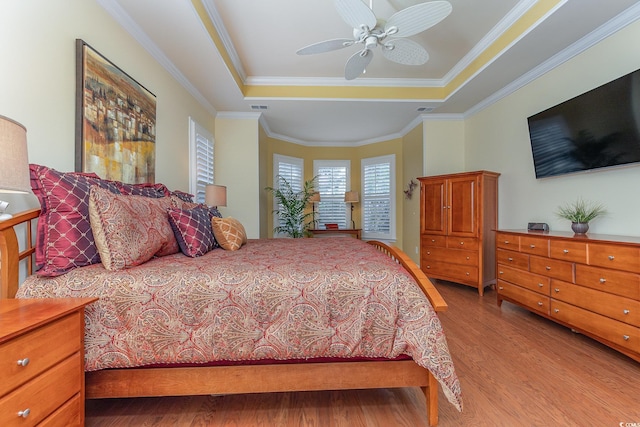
point(515, 369)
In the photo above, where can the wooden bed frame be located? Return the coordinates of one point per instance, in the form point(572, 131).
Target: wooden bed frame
point(181, 381)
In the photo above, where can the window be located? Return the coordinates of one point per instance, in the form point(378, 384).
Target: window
point(332, 182)
point(200, 160)
point(289, 168)
point(378, 198)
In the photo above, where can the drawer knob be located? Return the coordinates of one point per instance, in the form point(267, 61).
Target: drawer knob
point(462, 243)
point(548, 267)
point(557, 310)
point(468, 258)
point(611, 257)
point(566, 251)
point(467, 273)
point(532, 246)
point(501, 272)
point(24, 413)
point(506, 242)
point(433, 240)
point(23, 362)
point(603, 280)
point(428, 252)
point(540, 285)
point(557, 290)
point(428, 266)
point(625, 337)
point(501, 288)
point(510, 259)
point(625, 311)
point(540, 303)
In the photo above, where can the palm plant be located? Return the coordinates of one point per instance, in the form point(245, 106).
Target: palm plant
point(294, 218)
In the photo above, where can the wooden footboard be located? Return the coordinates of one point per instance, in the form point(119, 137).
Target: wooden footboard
point(175, 381)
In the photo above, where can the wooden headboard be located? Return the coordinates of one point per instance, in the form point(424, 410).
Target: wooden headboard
point(11, 253)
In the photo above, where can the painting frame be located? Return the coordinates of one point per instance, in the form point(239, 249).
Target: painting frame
point(115, 121)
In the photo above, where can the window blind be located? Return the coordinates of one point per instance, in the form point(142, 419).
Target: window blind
point(201, 160)
point(378, 196)
point(332, 183)
point(291, 169)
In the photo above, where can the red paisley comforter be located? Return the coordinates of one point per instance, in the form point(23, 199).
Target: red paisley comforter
point(272, 299)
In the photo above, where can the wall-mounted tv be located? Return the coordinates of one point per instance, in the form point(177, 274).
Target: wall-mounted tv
point(600, 128)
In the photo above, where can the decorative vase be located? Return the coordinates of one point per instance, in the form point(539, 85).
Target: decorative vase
point(580, 227)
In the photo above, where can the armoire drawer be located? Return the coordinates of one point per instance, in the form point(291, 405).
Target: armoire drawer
point(468, 243)
point(612, 281)
point(610, 305)
point(514, 259)
point(533, 282)
point(531, 300)
point(434, 240)
point(456, 272)
point(433, 254)
point(619, 333)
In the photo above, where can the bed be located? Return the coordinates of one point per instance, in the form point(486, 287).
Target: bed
point(353, 315)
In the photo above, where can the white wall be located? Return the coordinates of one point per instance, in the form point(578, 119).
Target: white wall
point(497, 139)
point(37, 84)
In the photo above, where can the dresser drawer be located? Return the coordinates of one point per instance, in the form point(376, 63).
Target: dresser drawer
point(610, 305)
point(432, 254)
point(619, 333)
point(67, 415)
point(453, 272)
point(534, 245)
point(533, 282)
point(562, 270)
point(612, 281)
point(514, 259)
point(42, 347)
point(625, 258)
point(531, 300)
point(468, 243)
point(434, 240)
point(43, 394)
point(567, 250)
point(508, 241)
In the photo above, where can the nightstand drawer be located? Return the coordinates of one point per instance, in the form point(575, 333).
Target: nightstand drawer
point(38, 350)
point(43, 394)
point(67, 415)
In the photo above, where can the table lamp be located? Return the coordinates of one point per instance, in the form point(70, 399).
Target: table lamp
point(215, 195)
point(14, 164)
point(352, 197)
point(314, 199)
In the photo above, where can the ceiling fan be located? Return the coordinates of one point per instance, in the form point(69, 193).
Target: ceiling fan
point(371, 32)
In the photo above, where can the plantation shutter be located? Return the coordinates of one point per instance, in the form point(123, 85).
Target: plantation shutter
point(201, 160)
point(291, 169)
point(378, 198)
point(332, 183)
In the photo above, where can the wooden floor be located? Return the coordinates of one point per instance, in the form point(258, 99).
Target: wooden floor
point(515, 368)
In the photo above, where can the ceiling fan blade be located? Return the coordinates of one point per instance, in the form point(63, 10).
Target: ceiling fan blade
point(356, 13)
point(416, 19)
point(357, 64)
point(405, 51)
point(325, 46)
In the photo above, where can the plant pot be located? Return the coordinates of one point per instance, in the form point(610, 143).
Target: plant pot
point(580, 227)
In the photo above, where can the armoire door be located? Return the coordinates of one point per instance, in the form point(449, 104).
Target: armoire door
point(433, 218)
point(461, 206)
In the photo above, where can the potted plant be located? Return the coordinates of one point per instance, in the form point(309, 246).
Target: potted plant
point(294, 218)
point(580, 213)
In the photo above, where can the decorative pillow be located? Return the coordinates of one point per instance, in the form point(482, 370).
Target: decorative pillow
point(147, 189)
point(64, 239)
point(229, 233)
point(130, 230)
point(185, 197)
point(192, 229)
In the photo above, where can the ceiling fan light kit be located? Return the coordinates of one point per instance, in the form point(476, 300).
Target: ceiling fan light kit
point(372, 32)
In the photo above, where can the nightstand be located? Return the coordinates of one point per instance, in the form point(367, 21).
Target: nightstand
point(42, 361)
point(355, 232)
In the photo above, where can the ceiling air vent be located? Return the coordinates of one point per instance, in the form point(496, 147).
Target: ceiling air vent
point(259, 107)
point(425, 109)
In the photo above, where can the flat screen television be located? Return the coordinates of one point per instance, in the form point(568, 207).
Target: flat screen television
point(598, 129)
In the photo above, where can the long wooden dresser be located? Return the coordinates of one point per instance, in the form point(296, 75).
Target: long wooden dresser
point(590, 283)
point(42, 361)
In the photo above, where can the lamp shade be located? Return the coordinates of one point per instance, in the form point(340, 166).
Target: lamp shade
point(351, 197)
point(14, 164)
point(215, 195)
point(315, 198)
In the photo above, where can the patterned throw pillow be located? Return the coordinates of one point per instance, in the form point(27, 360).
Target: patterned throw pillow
point(64, 239)
point(229, 233)
point(185, 197)
point(192, 228)
point(130, 230)
point(148, 190)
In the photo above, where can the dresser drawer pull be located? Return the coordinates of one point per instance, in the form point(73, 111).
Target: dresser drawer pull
point(548, 267)
point(428, 266)
point(566, 251)
point(23, 362)
point(462, 243)
point(611, 257)
point(557, 310)
point(532, 246)
point(433, 240)
point(540, 303)
point(625, 311)
point(501, 272)
point(625, 337)
point(510, 259)
point(428, 252)
point(468, 258)
point(540, 285)
point(557, 290)
point(501, 288)
point(467, 273)
point(25, 413)
point(603, 280)
point(506, 242)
